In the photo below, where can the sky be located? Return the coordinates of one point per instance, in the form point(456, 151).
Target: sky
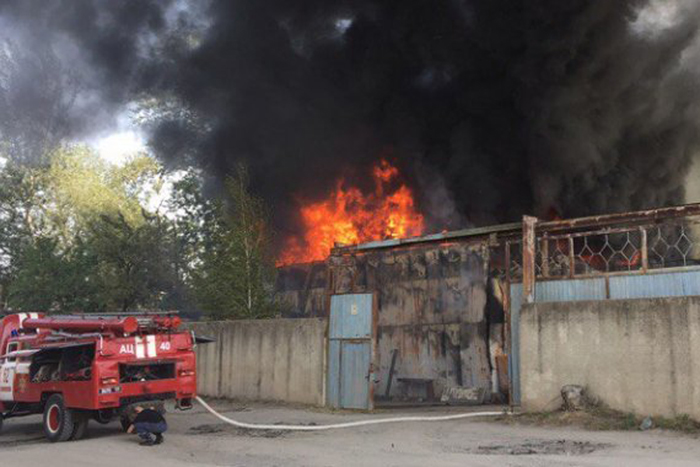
point(116, 147)
point(123, 139)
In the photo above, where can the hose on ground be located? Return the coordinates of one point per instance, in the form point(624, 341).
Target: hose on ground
point(254, 426)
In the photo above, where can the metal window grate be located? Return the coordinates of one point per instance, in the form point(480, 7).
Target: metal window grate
point(665, 244)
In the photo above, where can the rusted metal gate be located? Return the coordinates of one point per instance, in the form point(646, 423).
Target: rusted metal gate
point(351, 351)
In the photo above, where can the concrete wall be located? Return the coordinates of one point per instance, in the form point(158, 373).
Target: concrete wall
point(640, 356)
point(269, 360)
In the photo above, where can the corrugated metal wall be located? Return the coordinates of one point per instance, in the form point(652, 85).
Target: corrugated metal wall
point(676, 284)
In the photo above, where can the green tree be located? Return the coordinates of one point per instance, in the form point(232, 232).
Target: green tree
point(191, 215)
point(22, 207)
point(77, 234)
point(132, 267)
point(236, 275)
point(49, 279)
point(83, 188)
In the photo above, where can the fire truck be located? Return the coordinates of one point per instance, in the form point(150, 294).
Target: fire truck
point(73, 369)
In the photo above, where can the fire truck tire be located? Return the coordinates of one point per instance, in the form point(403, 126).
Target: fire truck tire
point(103, 417)
point(59, 422)
point(1, 420)
point(125, 422)
point(80, 426)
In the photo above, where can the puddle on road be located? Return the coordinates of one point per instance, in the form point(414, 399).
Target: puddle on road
point(560, 447)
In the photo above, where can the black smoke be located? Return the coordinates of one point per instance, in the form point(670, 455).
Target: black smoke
point(492, 108)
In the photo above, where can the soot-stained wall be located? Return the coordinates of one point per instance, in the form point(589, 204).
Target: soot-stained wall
point(436, 310)
point(303, 290)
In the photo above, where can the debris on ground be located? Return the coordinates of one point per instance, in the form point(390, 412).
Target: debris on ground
point(646, 424)
point(459, 395)
point(574, 397)
point(546, 447)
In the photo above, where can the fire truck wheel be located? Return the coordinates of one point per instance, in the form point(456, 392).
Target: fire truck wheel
point(1, 420)
point(80, 426)
point(103, 417)
point(59, 420)
point(125, 422)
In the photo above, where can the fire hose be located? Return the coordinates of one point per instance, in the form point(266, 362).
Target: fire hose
point(438, 418)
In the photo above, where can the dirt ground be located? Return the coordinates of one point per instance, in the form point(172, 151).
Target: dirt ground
point(197, 438)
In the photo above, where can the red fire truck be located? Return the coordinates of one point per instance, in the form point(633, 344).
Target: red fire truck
point(77, 368)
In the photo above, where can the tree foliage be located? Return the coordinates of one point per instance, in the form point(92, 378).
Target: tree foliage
point(79, 234)
point(48, 278)
point(236, 275)
point(132, 270)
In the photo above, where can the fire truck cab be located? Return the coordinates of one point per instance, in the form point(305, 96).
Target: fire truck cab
point(74, 369)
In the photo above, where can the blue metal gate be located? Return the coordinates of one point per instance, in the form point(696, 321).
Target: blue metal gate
point(350, 351)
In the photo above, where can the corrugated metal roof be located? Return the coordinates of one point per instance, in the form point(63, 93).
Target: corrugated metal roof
point(438, 237)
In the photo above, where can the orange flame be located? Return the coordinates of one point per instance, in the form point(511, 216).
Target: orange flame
point(349, 216)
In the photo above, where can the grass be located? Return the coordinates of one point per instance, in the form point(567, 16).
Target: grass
point(601, 418)
point(682, 423)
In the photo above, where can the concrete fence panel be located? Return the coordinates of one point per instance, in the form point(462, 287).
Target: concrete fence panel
point(267, 360)
point(640, 355)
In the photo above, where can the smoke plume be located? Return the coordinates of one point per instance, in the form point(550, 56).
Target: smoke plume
point(510, 106)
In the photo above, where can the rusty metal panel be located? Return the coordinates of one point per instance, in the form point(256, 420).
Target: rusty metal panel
point(302, 289)
point(474, 354)
point(426, 351)
point(655, 285)
point(529, 259)
point(431, 303)
point(653, 215)
point(431, 311)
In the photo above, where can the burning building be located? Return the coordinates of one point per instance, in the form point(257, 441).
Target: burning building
point(449, 304)
point(440, 311)
point(440, 316)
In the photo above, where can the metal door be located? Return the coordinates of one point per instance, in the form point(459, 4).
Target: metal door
point(351, 351)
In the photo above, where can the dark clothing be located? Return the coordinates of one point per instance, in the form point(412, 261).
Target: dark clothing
point(149, 422)
point(149, 416)
point(145, 430)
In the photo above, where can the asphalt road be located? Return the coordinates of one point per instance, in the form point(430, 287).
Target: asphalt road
point(197, 438)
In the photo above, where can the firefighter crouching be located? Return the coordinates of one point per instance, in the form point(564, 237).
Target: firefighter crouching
point(148, 422)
